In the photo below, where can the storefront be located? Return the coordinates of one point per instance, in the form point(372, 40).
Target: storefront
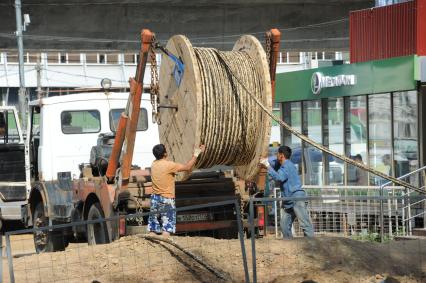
point(372, 112)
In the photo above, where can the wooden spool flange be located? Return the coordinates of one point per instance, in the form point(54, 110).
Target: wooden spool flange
point(180, 130)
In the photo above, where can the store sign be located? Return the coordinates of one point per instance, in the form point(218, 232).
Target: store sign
point(319, 81)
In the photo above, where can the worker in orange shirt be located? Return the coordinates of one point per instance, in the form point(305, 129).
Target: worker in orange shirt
point(163, 189)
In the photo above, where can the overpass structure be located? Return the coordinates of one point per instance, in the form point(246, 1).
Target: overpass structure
point(115, 24)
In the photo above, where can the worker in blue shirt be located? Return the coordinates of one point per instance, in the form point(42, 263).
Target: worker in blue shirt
point(284, 171)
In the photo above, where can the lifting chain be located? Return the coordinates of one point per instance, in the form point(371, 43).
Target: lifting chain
point(268, 47)
point(154, 88)
point(139, 208)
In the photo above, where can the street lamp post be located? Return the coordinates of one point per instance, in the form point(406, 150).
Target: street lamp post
point(19, 30)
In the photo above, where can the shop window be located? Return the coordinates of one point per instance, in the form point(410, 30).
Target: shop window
point(333, 131)
point(312, 157)
point(380, 135)
point(405, 133)
point(356, 138)
point(80, 122)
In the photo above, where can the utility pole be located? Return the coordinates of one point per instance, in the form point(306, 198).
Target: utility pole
point(38, 68)
point(22, 91)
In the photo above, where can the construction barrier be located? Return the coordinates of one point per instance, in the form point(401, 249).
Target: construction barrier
point(346, 244)
point(186, 257)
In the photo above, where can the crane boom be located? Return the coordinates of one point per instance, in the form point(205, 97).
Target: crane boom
point(126, 130)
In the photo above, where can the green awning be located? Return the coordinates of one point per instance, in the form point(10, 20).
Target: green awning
point(379, 76)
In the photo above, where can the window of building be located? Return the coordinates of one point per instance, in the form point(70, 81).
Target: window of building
point(380, 135)
point(328, 55)
point(12, 57)
point(91, 58)
point(356, 138)
point(63, 58)
point(74, 58)
point(52, 57)
point(129, 58)
point(405, 141)
point(311, 126)
point(114, 117)
point(294, 57)
point(80, 122)
point(112, 58)
point(102, 58)
point(31, 57)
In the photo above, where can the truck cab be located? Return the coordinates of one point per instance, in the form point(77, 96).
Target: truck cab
point(63, 130)
point(63, 134)
point(13, 182)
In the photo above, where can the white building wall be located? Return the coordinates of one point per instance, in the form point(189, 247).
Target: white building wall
point(89, 75)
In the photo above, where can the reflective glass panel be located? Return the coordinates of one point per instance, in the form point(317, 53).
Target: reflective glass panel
point(405, 133)
point(293, 116)
point(311, 156)
point(114, 117)
point(335, 128)
point(80, 122)
point(380, 135)
point(356, 138)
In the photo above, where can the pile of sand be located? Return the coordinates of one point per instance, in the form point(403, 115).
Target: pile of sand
point(322, 259)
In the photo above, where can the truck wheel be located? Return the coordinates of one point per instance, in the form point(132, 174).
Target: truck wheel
point(46, 241)
point(96, 233)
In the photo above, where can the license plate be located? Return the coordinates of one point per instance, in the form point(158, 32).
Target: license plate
point(194, 217)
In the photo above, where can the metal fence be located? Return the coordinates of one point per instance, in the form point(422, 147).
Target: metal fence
point(187, 257)
point(338, 210)
point(346, 246)
point(335, 254)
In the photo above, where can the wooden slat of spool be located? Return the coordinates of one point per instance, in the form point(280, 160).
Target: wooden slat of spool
point(180, 130)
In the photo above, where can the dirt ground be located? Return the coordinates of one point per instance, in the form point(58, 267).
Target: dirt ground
point(135, 259)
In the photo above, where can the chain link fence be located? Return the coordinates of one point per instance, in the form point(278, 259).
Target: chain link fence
point(356, 211)
point(347, 244)
point(192, 256)
point(343, 249)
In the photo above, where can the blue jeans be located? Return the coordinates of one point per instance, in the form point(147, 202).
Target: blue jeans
point(299, 211)
point(165, 209)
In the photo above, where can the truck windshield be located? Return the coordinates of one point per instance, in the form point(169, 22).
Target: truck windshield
point(114, 117)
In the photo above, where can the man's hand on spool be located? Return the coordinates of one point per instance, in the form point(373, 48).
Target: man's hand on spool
point(264, 162)
point(198, 151)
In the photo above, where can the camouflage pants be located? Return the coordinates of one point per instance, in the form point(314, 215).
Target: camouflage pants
point(166, 211)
